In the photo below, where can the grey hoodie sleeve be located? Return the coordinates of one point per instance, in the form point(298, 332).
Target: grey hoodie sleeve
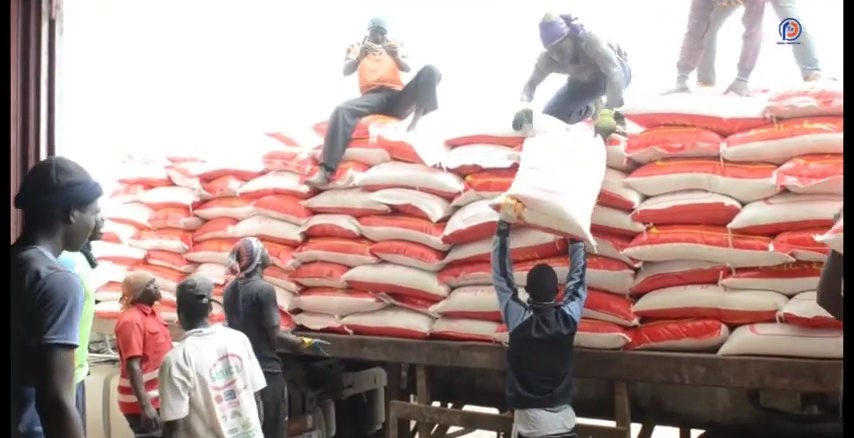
point(604, 56)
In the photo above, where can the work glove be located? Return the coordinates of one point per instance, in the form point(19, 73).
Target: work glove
point(315, 345)
point(523, 120)
point(609, 122)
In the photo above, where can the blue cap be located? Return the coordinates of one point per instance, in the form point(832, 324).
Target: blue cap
point(377, 23)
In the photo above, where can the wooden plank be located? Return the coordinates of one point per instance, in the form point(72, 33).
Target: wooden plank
point(701, 369)
point(596, 431)
point(422, 396)
point(452, 417)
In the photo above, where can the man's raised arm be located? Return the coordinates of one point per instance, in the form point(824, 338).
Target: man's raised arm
point(512, 309)
point(575, 291)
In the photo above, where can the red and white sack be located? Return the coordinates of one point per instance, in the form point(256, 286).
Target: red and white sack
point(777, 339)
point(393, 322)
point(612, 245)
point(235, 208)
point(281, 255)
point(488, 185)
point(166, 278)
point(117, 253)
point(243, 166)
point(612, 221)
point(659, 275)
point(744, 182)
point(344, 177)
point(683, 335)
point(180, 218)
point(471, 223)
point(470, 302)
point(211, 251)
point(396, 279)
point(216, 273)
point(276, 183)
point(710, 301)
point(466, 330)
point(362, 150)
point(333, 250)
point(338, 302)
point(282, 207)
point(320, 322)
point(409, 302)
point(603, 273)
point(286, 322)
point(467, 274)
point(117, 233)
point(616, 194)
point(485, 126)
point(280, 278)
point(187, 173)
point(408, 228)
point(267, 228)
point(803, 310)
point(600, 335)
point(559, 179)
point(673, 142)
point(106, 273)
point(412, 176)
point(320, 274)
point(788, 279)
point(351, 202)
point(224, 186)
point(135, 214)
point(177, 241)
point(833, 238)
point(111, 291)
point(465, 160)
point(106, 314)
point(812, 174)
point(806, 99)
point(331, 225)
point(616, 156)
point(525, 244)
point(801, 245)
point(786, 212)
point(604, 306)
point(784, 140)
point(687, 207)
point(414, 203)
point(414, 255)
point(218, 228)
point(126, 194)
point(722, 114)
point(284, 299)
point(704, 243)
point(168, 197)
point(152, 174)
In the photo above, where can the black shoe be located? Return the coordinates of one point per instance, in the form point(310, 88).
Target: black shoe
point(320, 179)
point(522, 119)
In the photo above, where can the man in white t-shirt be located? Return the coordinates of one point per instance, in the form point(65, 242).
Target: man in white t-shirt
point(209, 383)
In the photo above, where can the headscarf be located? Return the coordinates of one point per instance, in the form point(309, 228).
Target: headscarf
point(132, 287)
point(245, 256)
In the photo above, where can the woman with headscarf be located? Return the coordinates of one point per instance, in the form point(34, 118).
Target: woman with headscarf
point(142, 340)
point(250, 307)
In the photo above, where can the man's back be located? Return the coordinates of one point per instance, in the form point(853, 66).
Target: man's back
point(250, 307)
point(208, 385)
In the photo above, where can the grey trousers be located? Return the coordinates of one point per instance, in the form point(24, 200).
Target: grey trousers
point(418, 95)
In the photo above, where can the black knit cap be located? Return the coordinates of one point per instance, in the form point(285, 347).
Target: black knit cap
point(541, 283)
point(57, 182)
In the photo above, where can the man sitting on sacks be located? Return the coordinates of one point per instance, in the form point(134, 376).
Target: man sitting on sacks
point(542, 333)
point(595, 68)
point(379, 62)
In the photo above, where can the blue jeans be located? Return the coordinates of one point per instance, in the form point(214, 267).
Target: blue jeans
point(80, 401)
point(575, 101)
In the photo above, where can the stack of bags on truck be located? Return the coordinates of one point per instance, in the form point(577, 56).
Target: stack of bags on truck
point(734, 204)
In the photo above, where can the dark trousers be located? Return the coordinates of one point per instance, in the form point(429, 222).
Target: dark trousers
point(274, 406)
point(418, 95)
point(135, 423)
point(575, 101)
point(561, 435)
point(80, 401)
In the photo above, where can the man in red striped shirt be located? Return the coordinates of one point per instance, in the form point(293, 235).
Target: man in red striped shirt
point(142, 340)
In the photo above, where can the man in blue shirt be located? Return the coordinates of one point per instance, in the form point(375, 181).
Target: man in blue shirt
point(59, 201)
point(542, 332)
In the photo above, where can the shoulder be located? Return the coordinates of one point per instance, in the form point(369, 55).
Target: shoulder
point(128, 318)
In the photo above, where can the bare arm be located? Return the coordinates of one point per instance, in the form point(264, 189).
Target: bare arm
point(542, 69)
point(55, 394)
point(352, 58)
point(292, 343)
point(605, 58)
point(134, 370)
point(829, 291)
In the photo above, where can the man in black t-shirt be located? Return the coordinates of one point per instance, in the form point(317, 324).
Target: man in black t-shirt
point(250, 307)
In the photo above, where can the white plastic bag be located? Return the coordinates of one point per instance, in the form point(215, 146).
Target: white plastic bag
point(559, 179)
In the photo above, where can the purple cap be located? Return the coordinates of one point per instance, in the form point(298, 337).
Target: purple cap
point(552, 29)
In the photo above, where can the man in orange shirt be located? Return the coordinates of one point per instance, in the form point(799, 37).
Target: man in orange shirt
point(142, 340)
point(379, 63)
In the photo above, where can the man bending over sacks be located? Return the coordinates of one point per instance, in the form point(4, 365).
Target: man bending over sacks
point(595, 68)
point(542, 332)
point(379, 63)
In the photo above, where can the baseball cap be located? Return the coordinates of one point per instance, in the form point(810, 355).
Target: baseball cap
point(57, 182)
point(195, 289)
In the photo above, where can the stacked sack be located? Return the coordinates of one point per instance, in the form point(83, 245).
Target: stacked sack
point(734, 202)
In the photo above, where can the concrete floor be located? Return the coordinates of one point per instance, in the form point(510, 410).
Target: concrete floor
point(119, 429)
